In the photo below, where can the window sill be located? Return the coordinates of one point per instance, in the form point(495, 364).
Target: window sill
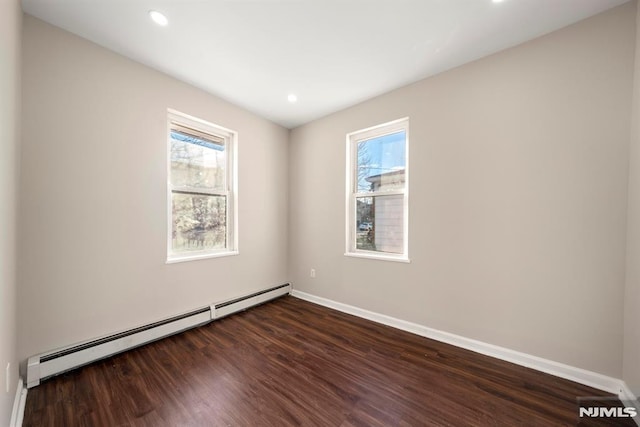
point(380, 257)
point(195, 257)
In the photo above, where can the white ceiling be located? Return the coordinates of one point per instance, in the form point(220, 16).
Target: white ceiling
point(331, 53)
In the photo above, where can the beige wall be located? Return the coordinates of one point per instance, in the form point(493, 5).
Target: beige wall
point(93, 207)
point(631, 370)
point(518, 168)
point(10, 23)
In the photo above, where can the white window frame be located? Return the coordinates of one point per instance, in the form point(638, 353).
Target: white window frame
point(230, 190)
point(352, 193)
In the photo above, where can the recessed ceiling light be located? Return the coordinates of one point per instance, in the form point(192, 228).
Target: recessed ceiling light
point(292, 98)
point(498, 1)
point(158, 18)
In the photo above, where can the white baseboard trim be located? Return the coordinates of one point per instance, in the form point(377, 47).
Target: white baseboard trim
point(17, 414)
point(581, 376)
point(627, 394)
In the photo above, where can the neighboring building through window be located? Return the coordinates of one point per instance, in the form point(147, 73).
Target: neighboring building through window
point(202, 196)
point(377, 191)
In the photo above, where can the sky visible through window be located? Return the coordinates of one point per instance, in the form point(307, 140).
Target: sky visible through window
point(180, 136)
point(380, 155)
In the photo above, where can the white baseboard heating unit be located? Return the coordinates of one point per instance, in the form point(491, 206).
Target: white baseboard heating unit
point(46, 365)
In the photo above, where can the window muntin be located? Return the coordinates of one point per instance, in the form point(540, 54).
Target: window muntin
point(201, 189)
point(377, 206)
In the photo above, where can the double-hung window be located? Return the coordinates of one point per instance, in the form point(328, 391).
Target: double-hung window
point(201, 189)
point(378, 191)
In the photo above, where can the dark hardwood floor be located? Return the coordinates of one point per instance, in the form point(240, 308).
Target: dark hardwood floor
point(293, 363)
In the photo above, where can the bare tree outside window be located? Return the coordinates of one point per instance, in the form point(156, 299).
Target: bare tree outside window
point(378, 190)
point(199, 218)
point(199, 191)
point(199, 222)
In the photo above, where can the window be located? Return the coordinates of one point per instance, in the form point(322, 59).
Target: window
point(377, 192)
point(201, 187)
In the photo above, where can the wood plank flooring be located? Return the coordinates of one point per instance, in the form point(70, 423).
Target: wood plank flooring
point(293, 363)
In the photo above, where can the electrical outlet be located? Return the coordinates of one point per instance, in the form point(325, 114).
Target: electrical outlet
point(313, 273)
point(8, 376)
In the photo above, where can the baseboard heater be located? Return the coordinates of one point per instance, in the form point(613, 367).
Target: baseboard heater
point(46, 365)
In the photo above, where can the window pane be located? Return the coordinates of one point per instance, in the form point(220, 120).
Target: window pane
point(381, 163)
point(199, 222)
point(380, 223)
point(196, 161)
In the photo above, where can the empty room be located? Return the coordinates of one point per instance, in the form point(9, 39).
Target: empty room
point(319, 213)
